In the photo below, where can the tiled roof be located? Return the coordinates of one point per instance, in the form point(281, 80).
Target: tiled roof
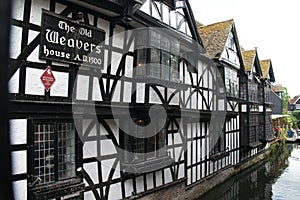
point(295, 99)
point(265, 66)
point(277, 88)
point(214, 37)
point(249, 58)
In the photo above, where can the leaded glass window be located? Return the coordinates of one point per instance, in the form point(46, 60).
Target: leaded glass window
point(54, 151)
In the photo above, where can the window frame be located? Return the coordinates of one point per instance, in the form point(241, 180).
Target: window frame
point(75, 179)
point(144, 68)
point(132, 141)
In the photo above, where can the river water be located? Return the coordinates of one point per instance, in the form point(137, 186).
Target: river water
point(277, 179)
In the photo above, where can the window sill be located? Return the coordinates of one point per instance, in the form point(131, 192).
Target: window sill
point(270, 138)
point(169, 83)
point(217, 156)
point(71, 187)
point(255, 144)
point(148, 165)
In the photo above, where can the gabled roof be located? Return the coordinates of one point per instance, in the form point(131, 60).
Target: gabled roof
point(214, 37)
point(249, 59)
point(267, 70)
point(277, 88)
point(294, 100)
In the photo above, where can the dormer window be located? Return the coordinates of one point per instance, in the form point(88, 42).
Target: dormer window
point(230, 51)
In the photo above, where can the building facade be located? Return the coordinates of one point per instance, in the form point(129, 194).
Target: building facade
point(118, 99)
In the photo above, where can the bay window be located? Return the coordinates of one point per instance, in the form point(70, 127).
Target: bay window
point(157, 56)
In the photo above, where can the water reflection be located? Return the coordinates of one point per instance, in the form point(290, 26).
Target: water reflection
point(275, 179)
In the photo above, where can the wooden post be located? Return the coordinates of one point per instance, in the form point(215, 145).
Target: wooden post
point(5, 172)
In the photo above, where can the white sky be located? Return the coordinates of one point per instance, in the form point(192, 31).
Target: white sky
point(270, 25)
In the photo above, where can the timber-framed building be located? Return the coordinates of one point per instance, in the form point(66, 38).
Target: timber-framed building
point(124, 99)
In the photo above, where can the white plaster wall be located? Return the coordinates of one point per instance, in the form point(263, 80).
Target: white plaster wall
point(15, 41)
point(13, 83)
point(139, 184)
point(59, 7)
point(178, 154)
point(149, 179)
point(89, 195)
point(194, 152)
point(82, 87)
point(189, 148)
point(168, 175)
point(140, 92)
point(90, 149)
point(96, 96)
point(104, 25)
point(92, 170)
point(204, 76)
point(20, 189)
point(85, 124)
point(200, 102)
point(91, 19)
point(114, 126)
point(17, 9)
point(194, 175)
point(106, 168)
point(33, 83)
point(115, 191)
point(129, 66)
point(175, 99)
point(103, 130)
point(18, 131)
point(60, 86)
point(158, 177)
point(153, 96)
point(228, 106)
point(221, 105)
point(189, 130)
point(194, 101)
point(199, 150)
point(244, 108)
point(19, 162)
point(115, 61)
point(107, 147)
point(181, 171)
point(105, 62)
point(118, 37)
point(127, 92)
point(185, 98)
point(128, 187)
point(145, 7)
point(177, 138)
point(104, 83)
point(117, 93)
point(36, 10)
point(34, 56)
point(187, 79)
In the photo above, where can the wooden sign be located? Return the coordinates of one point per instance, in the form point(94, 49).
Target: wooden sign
point(69, 41)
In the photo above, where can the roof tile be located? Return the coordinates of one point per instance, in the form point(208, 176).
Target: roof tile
point(214, 37)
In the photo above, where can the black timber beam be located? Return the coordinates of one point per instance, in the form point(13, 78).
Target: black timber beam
point(5, 160)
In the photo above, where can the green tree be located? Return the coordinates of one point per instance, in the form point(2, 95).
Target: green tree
point(285, 101)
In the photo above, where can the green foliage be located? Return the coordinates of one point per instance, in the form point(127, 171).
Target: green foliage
point(285, 101)
point(278, 149)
